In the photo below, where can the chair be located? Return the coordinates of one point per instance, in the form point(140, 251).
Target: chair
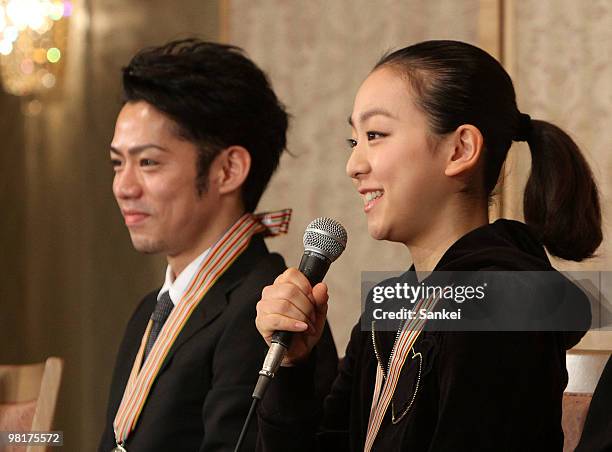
point(28, 395)
point(584, 369)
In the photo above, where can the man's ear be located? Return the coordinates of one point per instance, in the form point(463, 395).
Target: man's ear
point(230, 169)
point(467, 144)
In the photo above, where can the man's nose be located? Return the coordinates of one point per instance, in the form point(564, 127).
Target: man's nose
point(127, 184)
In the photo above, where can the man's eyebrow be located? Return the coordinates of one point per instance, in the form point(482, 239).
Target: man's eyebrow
point(370, 113)
point(140, 148)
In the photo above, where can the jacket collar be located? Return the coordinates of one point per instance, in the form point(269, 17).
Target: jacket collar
point(216, 299)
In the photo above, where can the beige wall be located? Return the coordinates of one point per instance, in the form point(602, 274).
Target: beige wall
point(69, 276)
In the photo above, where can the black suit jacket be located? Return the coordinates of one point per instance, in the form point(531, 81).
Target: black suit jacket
point(202, 393)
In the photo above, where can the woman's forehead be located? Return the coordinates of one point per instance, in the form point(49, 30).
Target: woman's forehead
point(384, 92)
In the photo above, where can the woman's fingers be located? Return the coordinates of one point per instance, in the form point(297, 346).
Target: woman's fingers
point(295, 277)
point(320, 295)
point(291, 304)
point(294, 295)
point(270, 323)
point(286, 308)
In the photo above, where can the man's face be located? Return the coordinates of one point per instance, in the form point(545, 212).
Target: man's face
point(155, 182)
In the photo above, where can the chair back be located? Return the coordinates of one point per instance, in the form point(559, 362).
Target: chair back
point(584, 369)
point(28, 395)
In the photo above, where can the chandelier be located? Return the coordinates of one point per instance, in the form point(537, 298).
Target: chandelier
point(33, 36)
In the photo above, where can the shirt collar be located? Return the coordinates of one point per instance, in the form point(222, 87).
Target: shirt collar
point(177, 287)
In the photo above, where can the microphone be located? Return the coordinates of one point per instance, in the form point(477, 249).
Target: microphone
point(324, 241)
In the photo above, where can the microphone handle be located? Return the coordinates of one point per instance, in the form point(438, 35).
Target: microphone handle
point(314, 266)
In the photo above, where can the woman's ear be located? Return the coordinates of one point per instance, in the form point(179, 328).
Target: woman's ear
point(231, 168)
point(467, 144)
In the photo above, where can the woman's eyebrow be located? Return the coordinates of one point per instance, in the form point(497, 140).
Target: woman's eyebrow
point(370, 113)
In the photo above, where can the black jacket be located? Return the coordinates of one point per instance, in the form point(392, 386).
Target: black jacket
point(478, 391)
point(203, 392)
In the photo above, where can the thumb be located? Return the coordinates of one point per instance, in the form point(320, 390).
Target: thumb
point(320, 295)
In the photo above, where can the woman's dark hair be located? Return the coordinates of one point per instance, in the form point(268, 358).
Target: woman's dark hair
point(457, 83)
point(218, 98)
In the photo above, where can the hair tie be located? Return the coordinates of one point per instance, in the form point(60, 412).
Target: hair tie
point(525, 128)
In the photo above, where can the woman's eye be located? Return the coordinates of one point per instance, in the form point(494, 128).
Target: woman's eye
point(375, 135)
point(115, 163)
point(351, 142)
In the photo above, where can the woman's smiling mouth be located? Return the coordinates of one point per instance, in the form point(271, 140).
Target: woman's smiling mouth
point(370, 198)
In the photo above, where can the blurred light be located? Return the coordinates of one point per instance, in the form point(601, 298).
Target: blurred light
point(48, 80)
point(27, 66)
point(67, 8)
point(56, 10)
point(33, 36)
point(19, 10)
point(39, 56)
point(11, 33)
point(36, 22)
point(6, 47)
point(44, 26)
point(33, 108)
point(53, 55)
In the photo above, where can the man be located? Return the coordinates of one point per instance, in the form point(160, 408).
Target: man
point(195, 144)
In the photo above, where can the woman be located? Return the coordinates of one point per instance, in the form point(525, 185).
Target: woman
point(432, 125)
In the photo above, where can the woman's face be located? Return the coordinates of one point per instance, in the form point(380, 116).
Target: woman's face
point(399, 176)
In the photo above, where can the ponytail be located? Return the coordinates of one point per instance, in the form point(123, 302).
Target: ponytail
point(561, 201)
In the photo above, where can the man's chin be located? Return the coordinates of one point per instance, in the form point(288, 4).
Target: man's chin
point(147, 246)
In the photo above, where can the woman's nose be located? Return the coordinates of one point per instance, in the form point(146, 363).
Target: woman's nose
point(357, 163)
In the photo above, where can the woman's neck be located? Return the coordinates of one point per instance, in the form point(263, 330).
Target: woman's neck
point(452, 224)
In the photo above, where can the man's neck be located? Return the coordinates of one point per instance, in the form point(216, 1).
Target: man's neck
point(213, 232)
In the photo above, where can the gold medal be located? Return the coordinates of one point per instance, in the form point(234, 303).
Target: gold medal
point(119, 448)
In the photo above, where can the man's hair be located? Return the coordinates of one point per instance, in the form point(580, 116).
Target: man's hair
point(218, 98)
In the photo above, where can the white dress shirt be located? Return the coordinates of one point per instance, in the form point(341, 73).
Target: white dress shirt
point(177, 287)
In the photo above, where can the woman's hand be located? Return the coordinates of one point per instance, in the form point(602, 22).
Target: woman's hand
point(291, 304)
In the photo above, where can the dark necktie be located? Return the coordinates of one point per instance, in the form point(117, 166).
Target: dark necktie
point(158, 317)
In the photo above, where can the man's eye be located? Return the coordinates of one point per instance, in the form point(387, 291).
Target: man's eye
point(115, 163)
point(375, 135)
point(147, 162)
point(351, 142)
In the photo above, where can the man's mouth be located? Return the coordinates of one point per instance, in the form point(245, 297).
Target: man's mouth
point(134, 217)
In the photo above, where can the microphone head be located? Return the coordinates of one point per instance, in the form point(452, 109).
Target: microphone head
point(326, 237)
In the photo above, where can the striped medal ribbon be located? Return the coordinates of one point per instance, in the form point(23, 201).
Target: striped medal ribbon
point(275, 222)
point(384, 387)
point(219, 259)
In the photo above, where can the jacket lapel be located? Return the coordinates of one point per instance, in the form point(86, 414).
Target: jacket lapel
point(215, 301)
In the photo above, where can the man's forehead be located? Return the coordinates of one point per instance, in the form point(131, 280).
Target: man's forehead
point(140, 124)
point(142, 112)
